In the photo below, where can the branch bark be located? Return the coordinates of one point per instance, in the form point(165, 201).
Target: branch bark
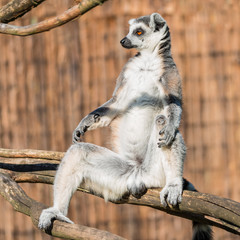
point(48, 24)
point(17, 8)
point(40, 166)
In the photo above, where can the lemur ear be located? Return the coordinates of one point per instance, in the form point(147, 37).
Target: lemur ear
point(130, 22)
point(156, 21)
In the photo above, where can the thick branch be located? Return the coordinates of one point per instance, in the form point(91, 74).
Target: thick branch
point(205, 208)
point(30, 153)
point(17, 8)
point(46, 25)
point(14, 194)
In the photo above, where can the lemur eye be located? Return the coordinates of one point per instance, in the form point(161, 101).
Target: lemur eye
point(138, 32)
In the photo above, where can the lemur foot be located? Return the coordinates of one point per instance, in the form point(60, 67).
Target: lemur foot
point(48, 215)
point(137, 191)
point(171, 194)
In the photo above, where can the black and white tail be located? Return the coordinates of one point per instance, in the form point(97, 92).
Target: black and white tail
point(200, 231)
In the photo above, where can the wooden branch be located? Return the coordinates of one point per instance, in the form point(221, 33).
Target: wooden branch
point(17, 8)
point(46, 25)
point(14, 194)
point(40, 166)
point(30, 153)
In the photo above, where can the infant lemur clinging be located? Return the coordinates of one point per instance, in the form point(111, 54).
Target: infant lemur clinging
point(144, 114)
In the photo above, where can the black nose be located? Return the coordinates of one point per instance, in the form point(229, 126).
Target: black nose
point(126, 43)
point(123, 41)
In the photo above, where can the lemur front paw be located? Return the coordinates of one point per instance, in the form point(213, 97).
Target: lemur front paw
point(168, 132)
point(172, 194)
point(84, 126)
point(137, 190)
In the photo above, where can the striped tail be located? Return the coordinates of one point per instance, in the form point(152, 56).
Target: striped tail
point(200, 231)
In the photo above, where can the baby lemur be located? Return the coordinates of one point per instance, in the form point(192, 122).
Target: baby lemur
point(144, 114)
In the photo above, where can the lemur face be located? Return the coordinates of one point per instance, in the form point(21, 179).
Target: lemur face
point(144, 32)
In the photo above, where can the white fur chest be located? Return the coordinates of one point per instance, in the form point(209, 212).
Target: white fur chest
point(142, 89)
point(142, 75)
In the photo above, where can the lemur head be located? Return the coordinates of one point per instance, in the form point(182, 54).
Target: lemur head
point(145, 32)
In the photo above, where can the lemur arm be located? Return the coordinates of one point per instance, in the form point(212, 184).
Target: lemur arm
point(175, 111)
point(172, 86)
point(102, 116)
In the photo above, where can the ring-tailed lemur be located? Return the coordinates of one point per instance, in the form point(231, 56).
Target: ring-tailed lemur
point(144, 113)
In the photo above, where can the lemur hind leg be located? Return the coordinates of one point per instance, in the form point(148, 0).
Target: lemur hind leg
point(174, 155)
point(99, 169)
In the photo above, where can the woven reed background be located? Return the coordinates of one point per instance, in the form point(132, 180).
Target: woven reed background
point(49, 81)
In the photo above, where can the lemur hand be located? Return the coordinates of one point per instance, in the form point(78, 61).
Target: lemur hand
point(84, 125)
point(168, 132)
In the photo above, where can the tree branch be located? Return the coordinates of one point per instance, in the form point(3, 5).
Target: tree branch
point(40, 166)
point(14, 194)
point(17, 8)
point(48, 24)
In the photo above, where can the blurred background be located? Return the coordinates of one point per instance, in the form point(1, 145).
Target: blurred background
point(49, 81)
